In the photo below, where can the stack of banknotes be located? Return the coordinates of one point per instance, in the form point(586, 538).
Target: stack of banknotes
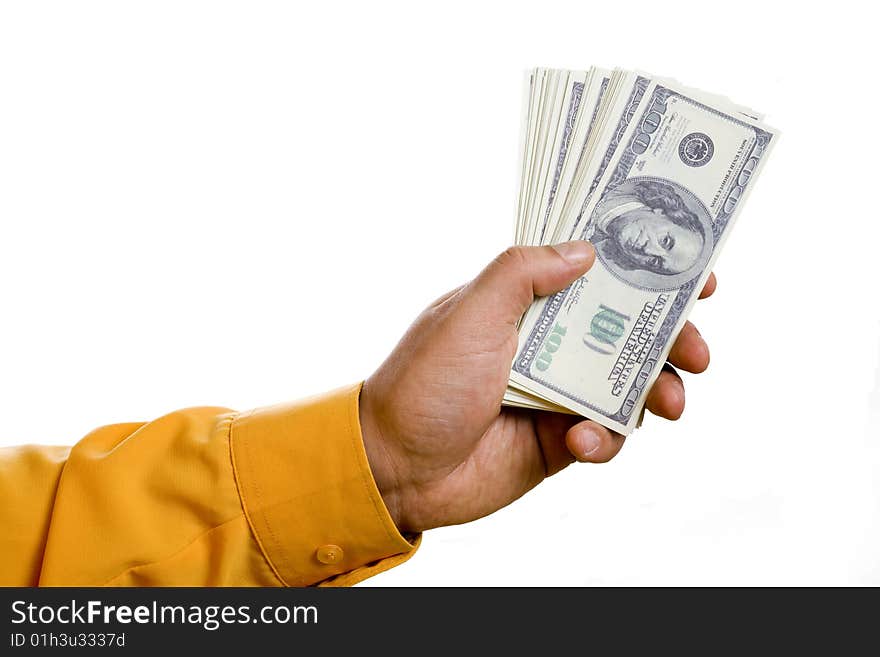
point(654, 174)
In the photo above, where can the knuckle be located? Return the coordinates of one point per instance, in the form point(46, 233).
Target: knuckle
point(512, 266)
point(512, 256)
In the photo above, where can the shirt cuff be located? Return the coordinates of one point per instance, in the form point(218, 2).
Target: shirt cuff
point(309, 495)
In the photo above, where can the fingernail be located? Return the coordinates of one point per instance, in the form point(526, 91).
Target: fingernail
point(587, 442)
point(577, 253)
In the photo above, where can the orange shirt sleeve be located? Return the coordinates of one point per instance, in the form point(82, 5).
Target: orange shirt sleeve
point(276, 496)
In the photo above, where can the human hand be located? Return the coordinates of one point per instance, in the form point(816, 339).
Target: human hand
point(441, 447)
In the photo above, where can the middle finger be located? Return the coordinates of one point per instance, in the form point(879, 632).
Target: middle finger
point(689, 351)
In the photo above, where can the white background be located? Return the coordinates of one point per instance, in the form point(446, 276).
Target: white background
point(242, 203)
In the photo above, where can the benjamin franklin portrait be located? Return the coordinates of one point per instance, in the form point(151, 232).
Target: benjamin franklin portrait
point(649, 235)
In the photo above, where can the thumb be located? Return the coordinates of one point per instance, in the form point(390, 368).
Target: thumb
point(512, 281)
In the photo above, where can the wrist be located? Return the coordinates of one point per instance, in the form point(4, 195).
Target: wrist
point(379, 455)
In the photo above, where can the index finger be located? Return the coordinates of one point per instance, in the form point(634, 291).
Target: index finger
point(709, 287)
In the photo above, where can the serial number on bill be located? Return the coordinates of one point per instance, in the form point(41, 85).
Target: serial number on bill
point(67, 640)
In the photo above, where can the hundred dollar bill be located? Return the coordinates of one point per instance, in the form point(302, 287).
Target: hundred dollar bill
point(561, 148)
point(584, 131)
point(632, 89)
point(547, 118)
point(658, 217)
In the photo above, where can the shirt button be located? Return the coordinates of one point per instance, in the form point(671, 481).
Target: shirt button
point(329, 554)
